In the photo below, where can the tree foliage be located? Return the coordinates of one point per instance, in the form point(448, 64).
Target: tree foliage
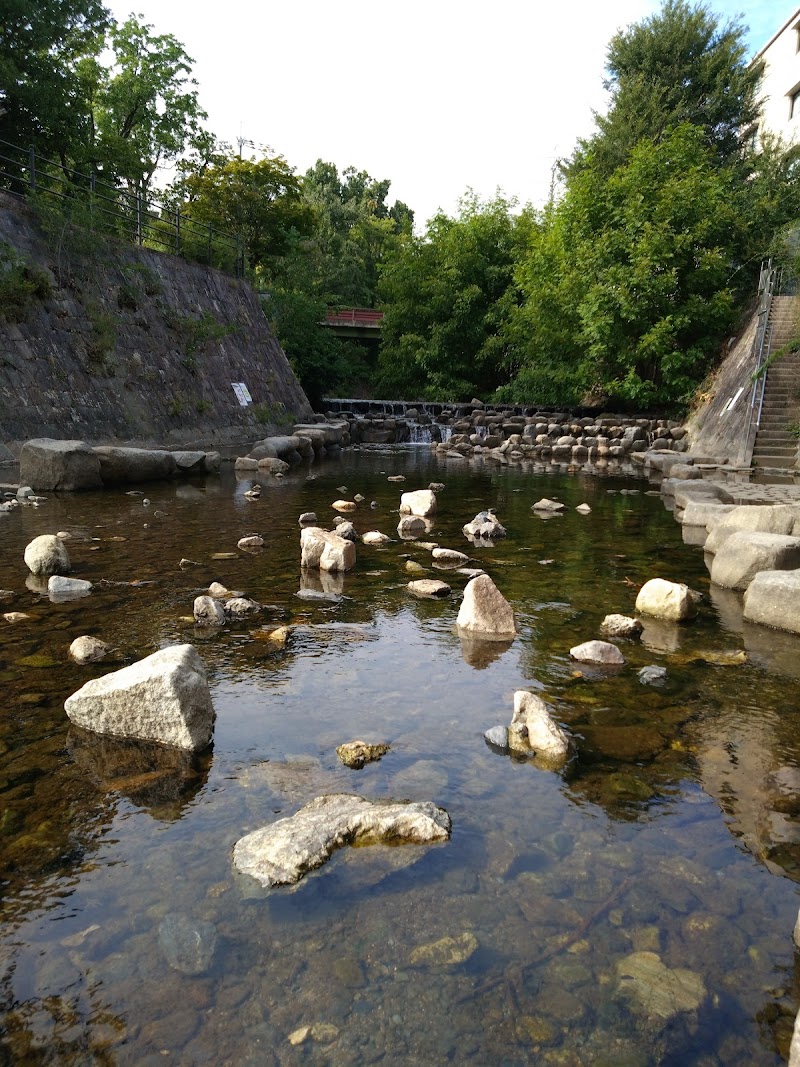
point(256, 199)
point(632, 280)
point(446, 296)
point(680, 65)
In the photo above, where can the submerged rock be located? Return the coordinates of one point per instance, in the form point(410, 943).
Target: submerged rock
point(47, 555)
point(446, 952)
point(188, 944)
point(355, 754)
point(280, 854)
point(164, 698)
point(657, 990)
point(485, 610)
point(652, 675)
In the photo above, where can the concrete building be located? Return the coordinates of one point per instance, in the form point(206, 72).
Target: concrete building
point(780, 86)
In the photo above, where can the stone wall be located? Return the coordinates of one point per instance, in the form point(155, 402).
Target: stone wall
point(133, 345)
point(717, 428)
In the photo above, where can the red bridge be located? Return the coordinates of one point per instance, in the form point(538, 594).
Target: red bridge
point(354, 322)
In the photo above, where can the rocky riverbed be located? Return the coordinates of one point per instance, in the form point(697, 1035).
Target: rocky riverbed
point(632, 904)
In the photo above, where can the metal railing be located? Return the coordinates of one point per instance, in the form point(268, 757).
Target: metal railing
point(769, 284)
point(89, 202)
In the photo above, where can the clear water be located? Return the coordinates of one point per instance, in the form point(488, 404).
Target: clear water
point(672, 842)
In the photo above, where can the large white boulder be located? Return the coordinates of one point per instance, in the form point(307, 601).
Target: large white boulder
point(280, 854)
point(773, 599)
point(706, 513)
point(420, 502)
point(485, 610)
point(325, 550)
point(755, 518)
point(666, 600)
point(47, 554)
point(547, 739)
point(744, 554)
point(163, 698)
point(46, 464)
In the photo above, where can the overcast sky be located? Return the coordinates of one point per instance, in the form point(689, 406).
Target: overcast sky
point(436, 95)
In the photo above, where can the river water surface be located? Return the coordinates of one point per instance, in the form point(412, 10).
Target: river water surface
point(636, 908)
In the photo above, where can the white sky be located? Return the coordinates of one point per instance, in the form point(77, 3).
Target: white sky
point(436, 95)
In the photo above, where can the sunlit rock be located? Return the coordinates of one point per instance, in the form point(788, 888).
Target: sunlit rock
point(62, 589)
point(429, 588)
point(448, 557)
point(545, 504)
point(164, 698)
point(280, 854)
point(355, 754)
point(208, 611)
point(325, 550)
point(241, 607)
point(601, 652)
point(745, 553)
point(546, 738)
point(412, 526)
point(485, 610)
point(666, 600)
point(375, 537)
point(88, 650)
point(773, 599)
point(47, 554)
point(252, 541)
point(621, 626)
point(421, 502)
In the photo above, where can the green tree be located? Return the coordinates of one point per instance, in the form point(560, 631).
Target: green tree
point(355, 230)
point(640, 284)
point(446, 296)
point(258, 200)
point(147, 112)
point(48, 51)
point(680, 65)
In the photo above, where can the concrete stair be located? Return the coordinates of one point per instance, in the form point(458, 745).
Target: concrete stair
point(775, 446)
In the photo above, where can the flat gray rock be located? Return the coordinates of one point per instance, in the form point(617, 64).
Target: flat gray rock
point(280, 854)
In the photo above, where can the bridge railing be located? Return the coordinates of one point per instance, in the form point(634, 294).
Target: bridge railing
point(87, 201)
point(366, 317)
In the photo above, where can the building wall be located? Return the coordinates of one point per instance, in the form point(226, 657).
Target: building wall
point(780, 88)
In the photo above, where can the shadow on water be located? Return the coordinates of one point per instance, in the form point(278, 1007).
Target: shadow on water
point(635, 908)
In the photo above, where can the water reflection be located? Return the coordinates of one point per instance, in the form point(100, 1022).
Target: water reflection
point(156, 778)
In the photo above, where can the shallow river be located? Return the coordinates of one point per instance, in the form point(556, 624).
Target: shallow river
point(635, 909)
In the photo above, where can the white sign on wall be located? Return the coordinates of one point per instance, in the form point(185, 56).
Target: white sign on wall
point(242, 393)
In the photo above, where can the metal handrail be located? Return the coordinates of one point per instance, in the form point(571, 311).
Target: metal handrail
point(152, 222)
point(768, 284)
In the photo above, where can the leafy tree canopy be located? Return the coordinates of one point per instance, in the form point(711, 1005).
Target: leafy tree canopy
point(446, 296)
point(681, 65)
